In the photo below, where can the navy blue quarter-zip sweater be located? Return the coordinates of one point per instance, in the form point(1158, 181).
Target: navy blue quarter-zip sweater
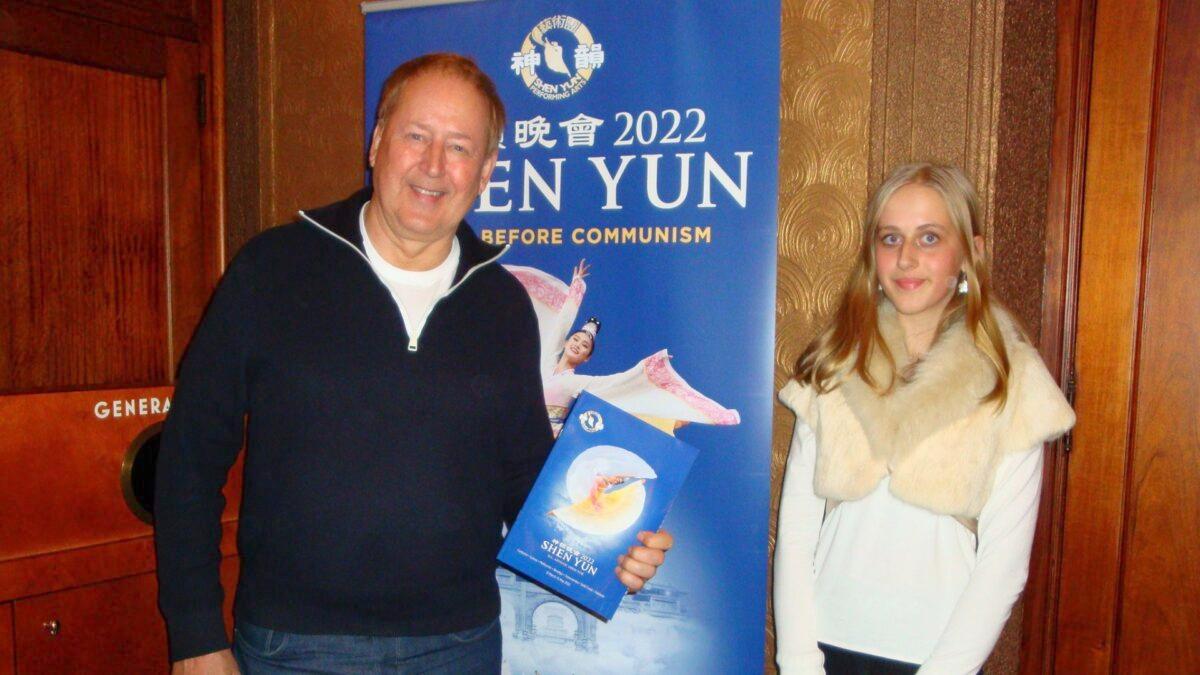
point(378, 471)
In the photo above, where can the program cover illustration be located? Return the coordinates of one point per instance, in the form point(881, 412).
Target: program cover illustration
point(609, 476)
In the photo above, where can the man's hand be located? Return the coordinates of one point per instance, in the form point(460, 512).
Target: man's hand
point(216, 663)
point(638, 566)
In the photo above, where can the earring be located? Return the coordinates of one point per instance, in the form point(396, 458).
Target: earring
point(963, 287)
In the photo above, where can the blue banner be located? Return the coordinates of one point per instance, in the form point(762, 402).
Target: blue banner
point(637, 183)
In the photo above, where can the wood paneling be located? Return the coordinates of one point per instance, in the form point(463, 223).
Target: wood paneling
point(25, 577)
point(1159, 618)
point(7, 653)
point(1113, 232)
point(1074, 26)
point(16, 333)
point(129, 639)
point(111, 231)
point(107, 223)
point(61, 466)
point(72, 38)
point(85, 248)
point(172, 18)
point(195, 253)
point(294, 102)
point(65, 521)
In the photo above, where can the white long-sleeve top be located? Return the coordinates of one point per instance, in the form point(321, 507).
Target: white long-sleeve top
point(883, 577)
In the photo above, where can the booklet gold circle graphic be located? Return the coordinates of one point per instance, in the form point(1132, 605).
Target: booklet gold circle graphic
point(606, 486)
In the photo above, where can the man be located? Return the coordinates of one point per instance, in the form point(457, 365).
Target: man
point(386, 369)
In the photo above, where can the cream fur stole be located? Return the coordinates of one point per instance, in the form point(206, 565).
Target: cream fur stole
point(932, 434)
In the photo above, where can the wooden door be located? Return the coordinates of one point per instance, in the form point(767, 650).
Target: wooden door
point(110, 243)
point(59, 632)
point(108, 256)
point(7, 662)
point(1124, 571)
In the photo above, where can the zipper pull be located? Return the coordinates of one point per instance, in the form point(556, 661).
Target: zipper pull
point(412, 345)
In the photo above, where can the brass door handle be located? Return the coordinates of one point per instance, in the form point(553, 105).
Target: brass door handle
point(52, 626)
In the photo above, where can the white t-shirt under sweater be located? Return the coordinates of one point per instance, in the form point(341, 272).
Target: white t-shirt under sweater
point(883, 577)
point(414, 292)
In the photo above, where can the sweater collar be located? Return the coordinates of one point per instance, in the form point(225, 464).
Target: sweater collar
point(341, 219)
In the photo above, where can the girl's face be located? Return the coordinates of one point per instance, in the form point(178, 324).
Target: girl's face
point(918, 255)
point(577, 348)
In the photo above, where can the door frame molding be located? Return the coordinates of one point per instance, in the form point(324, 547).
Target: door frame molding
point(1106, 105)
point(1075, 29)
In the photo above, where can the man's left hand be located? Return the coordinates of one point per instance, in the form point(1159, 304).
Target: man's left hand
point(640, 563)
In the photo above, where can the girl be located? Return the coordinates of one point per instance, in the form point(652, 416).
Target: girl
point(911, 491)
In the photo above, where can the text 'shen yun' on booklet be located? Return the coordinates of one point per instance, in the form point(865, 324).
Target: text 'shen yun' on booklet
point(609, 476)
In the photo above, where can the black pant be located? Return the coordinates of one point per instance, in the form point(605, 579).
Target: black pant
point(840, 661)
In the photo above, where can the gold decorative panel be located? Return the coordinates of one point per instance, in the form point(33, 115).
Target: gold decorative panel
point(824, 121)
point(825, 101)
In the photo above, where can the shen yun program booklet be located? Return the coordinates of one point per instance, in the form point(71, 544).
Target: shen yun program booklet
point(608, 476)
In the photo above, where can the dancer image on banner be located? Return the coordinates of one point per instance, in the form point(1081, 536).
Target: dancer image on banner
point(651, 389)
point(651, 629)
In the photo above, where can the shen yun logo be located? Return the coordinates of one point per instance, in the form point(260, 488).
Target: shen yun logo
point(591, 421)
point(557, 57)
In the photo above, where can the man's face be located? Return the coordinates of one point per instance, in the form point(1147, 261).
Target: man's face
point(430, 158)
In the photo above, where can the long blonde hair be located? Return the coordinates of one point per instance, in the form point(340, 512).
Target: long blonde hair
point(854, 333)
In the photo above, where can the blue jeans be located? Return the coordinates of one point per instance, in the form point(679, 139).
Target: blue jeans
point(261, 651)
